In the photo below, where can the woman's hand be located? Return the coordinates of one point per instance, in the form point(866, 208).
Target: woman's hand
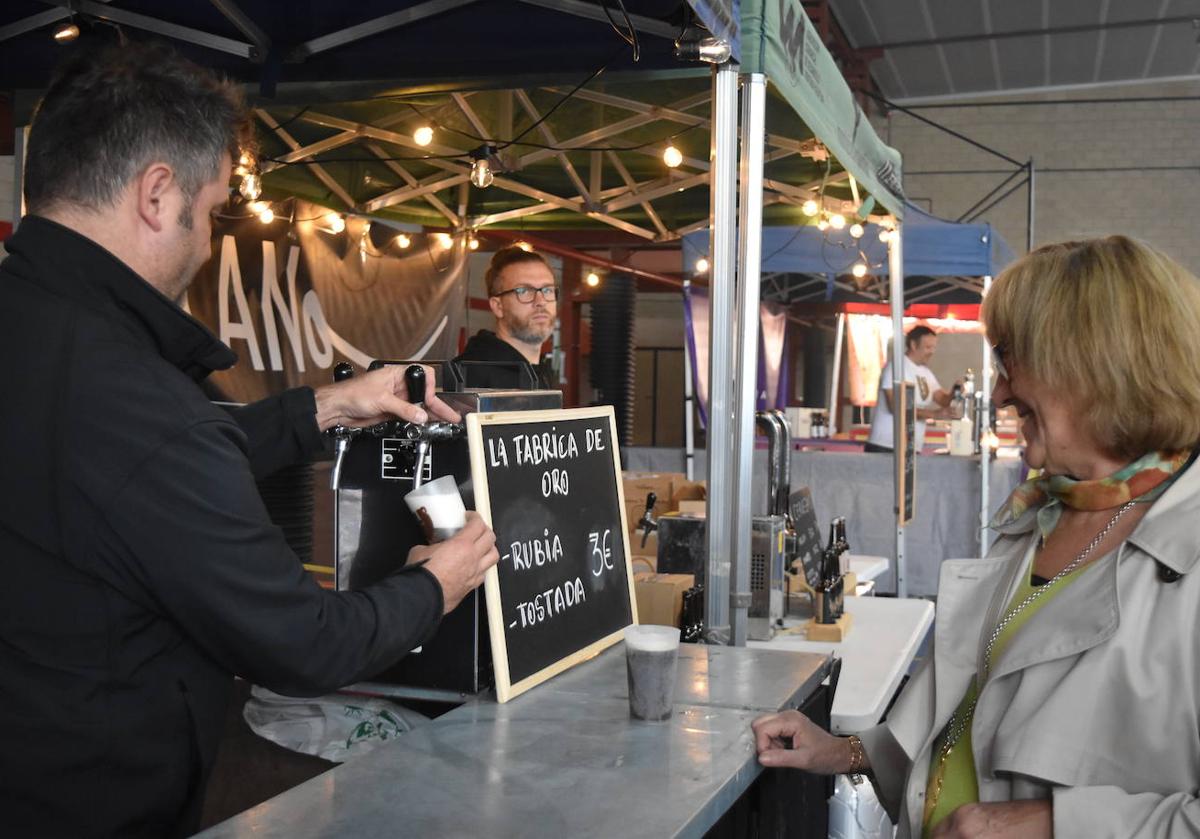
point(790, 739)
point(998, 820)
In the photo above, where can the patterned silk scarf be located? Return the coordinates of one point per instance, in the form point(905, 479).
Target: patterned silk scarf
point(1045, 496)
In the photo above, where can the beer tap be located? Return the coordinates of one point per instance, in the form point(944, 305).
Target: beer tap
point(647, 524)
point(341, 434)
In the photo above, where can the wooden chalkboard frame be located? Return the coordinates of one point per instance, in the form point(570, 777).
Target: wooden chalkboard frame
point(906, 461)
point(505, 688)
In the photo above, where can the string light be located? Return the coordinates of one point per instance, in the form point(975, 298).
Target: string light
point(822, 225)
point(257, 207)
point(837, 221)
point(859, 270)
point(423, 136)
point(885, 235)
point(245, 159)
point(473, 243)
point(250, 187)
point(66, 33)
point(672, 156)
point(856, 230)
point(809, 208)
point(266, 215)
point(335, 221)
point(702, 265)
point(592, 279)
point(402, 241)
point(445, 240)
point(481, 173)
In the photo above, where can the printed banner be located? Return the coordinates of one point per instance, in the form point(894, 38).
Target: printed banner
point(294, 297)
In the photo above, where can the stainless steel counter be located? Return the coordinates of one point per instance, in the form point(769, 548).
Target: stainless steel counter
point(564, 759)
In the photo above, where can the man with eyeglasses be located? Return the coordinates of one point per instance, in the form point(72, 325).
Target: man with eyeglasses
point(523, 296)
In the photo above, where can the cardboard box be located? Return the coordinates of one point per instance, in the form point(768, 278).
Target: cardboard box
point(660, 597)
point(692, 508)
point(643, 558)
point(685, 490)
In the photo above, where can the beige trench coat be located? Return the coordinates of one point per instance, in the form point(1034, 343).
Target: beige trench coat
point(1094, 703)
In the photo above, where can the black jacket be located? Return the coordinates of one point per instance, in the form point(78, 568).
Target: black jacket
point(140, 569)
point(485, 345)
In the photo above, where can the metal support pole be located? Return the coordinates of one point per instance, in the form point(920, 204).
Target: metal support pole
point(689, 404)
point(896, 293)
point(983, 415)
point(723, 264)
point(745, 371)
point(836, 385)
point(1029, 210)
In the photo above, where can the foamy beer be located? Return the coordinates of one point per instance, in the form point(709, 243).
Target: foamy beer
point(439, 507)
point(650, 656)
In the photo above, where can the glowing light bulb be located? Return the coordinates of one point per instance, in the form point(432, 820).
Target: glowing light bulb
point(822, 225)
point(335, 221)
point(859, 270)
point(525, 246)
point(672, 156)
point(592, 279)
point(258, 206)
point(473, 244)
point(250, 187)
point(402, 241)
point(423, 136)
point(481, 173)
point(266, 215)
point(885, 235)
point(66, 33)
point(702, 265)
point(837, 221)
point(856, 230)
point(809, 208)
point(245, 159)
point(445, 240)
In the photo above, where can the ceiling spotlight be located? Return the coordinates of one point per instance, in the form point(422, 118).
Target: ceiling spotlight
point(702, 265)
point(335, 221)
point(402, 241)
point(266, 215)
point(856, 230)
point(445, 240)
point(672, 156)
point(250, 187)
point(66, 33)
point(859, 270)
point(809, 208)
point(473, 243)
point(837, 221)
point(592, 279)
point(423, 136)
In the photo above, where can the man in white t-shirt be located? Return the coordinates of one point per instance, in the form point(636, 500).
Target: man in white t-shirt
point(932, 402)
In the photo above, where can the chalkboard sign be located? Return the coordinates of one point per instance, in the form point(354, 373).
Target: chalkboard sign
point(549, 484)
point(808, 535)
point(906, 462)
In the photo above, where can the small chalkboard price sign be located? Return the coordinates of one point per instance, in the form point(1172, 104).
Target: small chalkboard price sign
point(808, 535)
point(906, 463)
point(549, 484)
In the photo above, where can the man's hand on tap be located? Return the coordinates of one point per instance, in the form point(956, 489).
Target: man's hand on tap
point(378, 395)
point(460, 562)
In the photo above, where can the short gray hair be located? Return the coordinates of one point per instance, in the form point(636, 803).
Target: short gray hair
point(110, 113)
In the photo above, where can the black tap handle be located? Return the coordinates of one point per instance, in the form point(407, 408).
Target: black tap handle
point(646, 524)
point(414, 383)
point(343, 370)
point(651, 500)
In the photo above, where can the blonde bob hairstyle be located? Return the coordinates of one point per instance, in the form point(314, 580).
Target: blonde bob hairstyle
point(1115, 326)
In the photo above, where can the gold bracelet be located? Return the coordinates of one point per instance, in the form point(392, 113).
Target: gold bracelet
point(858, 760)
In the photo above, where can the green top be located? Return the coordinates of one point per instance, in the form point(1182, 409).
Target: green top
point(956, 774)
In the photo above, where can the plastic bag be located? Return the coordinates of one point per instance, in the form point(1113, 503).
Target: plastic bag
point(336, 727)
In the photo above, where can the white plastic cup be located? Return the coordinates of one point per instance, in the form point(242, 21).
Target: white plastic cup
point(650, 655)
point(439, 507)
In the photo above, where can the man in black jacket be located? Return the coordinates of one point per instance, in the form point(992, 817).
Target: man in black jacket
point(523, 297)
point(140, 568)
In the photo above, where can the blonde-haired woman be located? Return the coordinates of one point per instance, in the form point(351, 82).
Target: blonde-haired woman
point(1062, 697)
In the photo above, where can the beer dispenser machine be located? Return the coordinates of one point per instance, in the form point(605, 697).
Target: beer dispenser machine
point(373, 529)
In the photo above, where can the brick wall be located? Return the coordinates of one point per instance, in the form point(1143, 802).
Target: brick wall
point(1128, 167)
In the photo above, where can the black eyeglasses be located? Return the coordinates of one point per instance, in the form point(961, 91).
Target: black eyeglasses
point(527, 294)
